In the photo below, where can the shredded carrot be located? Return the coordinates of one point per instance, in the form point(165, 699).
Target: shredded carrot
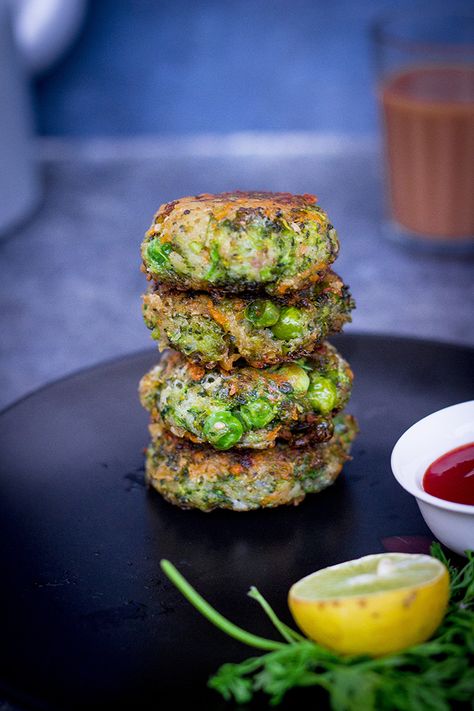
point(218, 316)
point(222, 211)
point(228, 363)
point(271, 435)
point(196, 371)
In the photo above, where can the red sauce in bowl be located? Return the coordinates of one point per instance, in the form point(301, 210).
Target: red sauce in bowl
point(451, 476)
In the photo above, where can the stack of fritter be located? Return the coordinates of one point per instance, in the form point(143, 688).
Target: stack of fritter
point(245, 414)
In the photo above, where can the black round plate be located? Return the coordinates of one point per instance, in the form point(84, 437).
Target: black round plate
point(87, 619)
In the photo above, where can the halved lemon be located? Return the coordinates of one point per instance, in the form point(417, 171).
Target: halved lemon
point(374, 605)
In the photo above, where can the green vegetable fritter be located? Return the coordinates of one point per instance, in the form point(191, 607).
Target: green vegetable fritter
point(249, 407)
point(213, 328)
point(195, 476)
point(242, 241)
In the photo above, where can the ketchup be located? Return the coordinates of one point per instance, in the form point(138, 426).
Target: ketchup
point(451, 476)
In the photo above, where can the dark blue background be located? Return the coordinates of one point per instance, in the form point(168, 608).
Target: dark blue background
point(184, 66)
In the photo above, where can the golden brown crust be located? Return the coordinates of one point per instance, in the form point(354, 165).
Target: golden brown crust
point(225, 206)
point(195, 476)
point(183, 396)
point(269, 202)
point(240, 241)
point(212, 327)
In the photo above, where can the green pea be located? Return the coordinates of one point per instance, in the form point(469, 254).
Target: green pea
point(262, 313)
point(296, 376)
point(257, 413)
point(156, 334)
point(290, 324)
point(322, 394)
point(222, 429)
point(157, 253)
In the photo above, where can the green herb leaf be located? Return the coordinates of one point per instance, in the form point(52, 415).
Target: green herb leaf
point(434, 676)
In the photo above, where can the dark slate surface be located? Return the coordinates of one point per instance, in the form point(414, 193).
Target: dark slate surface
point(89, 621)
point(70, 283)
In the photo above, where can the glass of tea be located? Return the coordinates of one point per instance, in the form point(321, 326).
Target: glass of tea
point(425, 77)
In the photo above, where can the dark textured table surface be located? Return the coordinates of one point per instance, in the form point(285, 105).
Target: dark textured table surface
point(87, 619)
point(70, 283)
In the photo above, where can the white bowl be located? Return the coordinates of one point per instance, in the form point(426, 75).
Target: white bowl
point(420, 446)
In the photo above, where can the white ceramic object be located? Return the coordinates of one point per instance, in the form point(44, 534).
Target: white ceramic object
point(44, 29)
point(420, 446)
point(33, 34)
point(19, 179)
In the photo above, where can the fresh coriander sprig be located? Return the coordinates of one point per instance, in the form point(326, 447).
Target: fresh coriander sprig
point(212, 615)
point(286, 632)
point(432, 676)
